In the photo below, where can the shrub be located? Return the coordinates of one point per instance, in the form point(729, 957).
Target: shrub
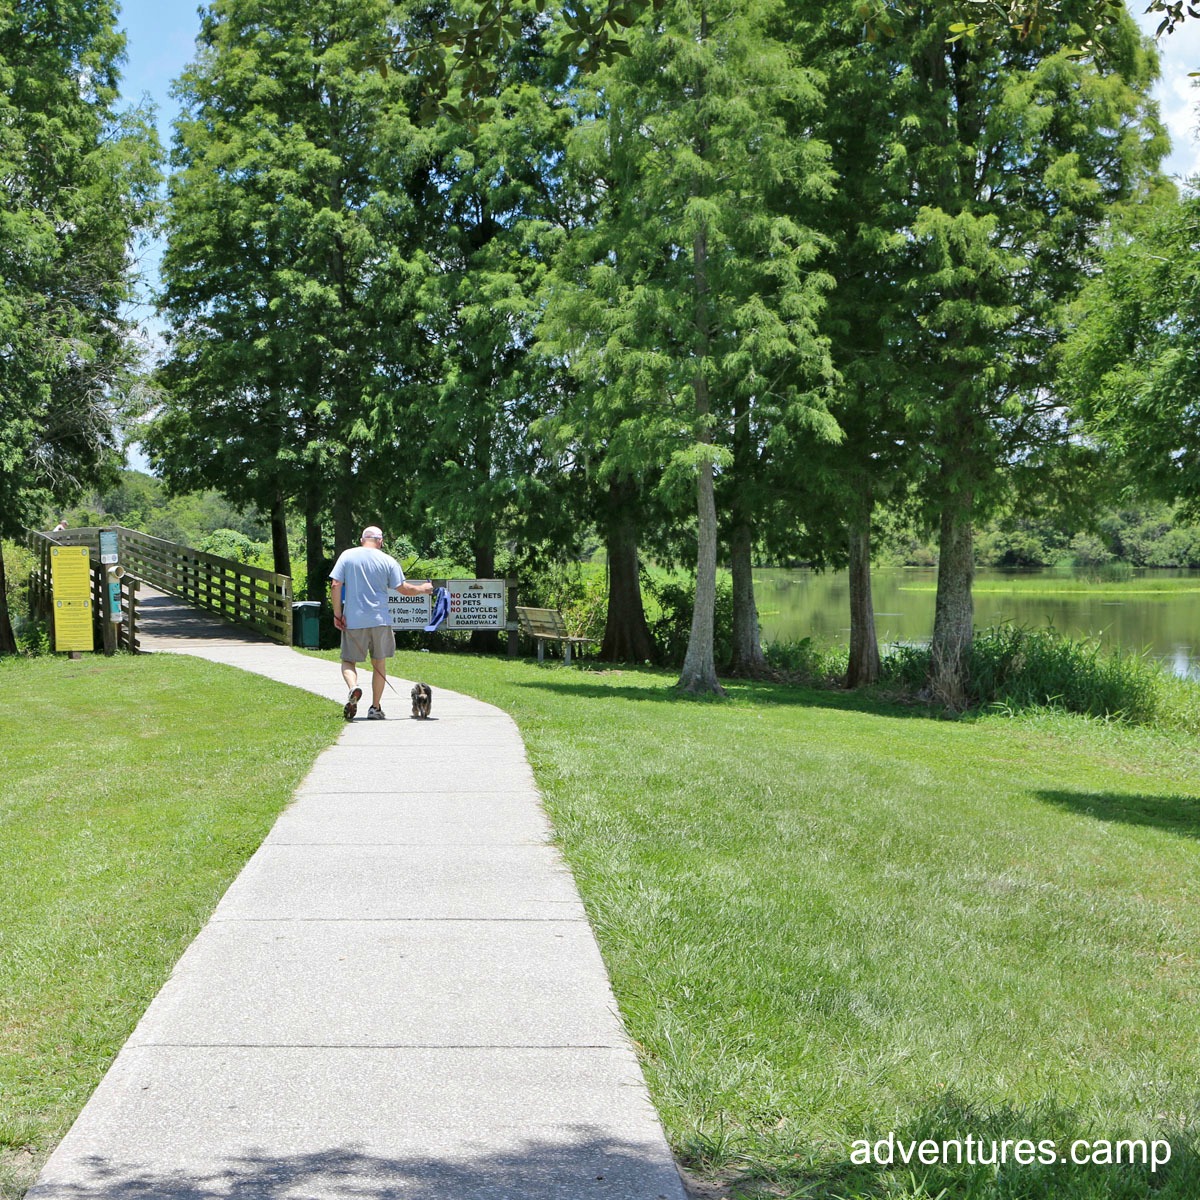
point(906, 666)
point(586, 612)
point(1038, 667)
point(1087, 550)
point(807, 660)
point(18, 566)
point(1013, 547)
point(229, 543)
point(32, 636)
point(550, 584)
point(675, 599)
point(578, 590)
point(1177, 548)
point(1026, 668)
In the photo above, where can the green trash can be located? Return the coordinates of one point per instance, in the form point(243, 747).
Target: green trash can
point(306, 624)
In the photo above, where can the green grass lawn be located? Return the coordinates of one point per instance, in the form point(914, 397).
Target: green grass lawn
point(827, 919)
point(132, 790)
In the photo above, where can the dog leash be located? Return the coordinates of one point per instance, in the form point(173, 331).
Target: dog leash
point(387, 681)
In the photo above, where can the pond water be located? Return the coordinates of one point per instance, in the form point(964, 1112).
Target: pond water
point(1155, 611)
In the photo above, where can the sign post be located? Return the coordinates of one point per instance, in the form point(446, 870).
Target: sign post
point(109, 555)
point(71, 589)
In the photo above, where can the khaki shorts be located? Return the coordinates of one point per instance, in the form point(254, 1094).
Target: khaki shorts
point(376, 642)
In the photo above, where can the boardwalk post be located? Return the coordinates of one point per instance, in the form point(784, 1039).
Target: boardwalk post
point(108, 628)
point(110, 590)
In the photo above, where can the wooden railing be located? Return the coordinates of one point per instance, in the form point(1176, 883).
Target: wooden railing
point(248, 596)
point(109, 635)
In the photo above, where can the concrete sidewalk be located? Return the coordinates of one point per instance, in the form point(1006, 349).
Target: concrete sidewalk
point(399, 997)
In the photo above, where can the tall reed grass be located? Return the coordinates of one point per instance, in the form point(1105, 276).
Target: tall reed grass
point(1020, 668)
point(807, 660)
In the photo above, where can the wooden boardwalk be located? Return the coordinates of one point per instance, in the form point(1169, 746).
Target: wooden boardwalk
point(168, 623)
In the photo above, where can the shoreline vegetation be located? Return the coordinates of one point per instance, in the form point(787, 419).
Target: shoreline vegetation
point(1146, 585)
point(828, 916)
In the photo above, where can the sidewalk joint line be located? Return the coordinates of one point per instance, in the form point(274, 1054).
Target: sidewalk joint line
point(216, 918)
point(414, 845)
point(374, 1046)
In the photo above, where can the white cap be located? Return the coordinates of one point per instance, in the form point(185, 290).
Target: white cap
point(373, 531)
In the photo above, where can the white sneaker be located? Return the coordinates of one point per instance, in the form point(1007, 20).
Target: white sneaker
point(375, 714)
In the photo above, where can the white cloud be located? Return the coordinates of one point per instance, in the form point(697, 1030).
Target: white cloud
point(1178, 96)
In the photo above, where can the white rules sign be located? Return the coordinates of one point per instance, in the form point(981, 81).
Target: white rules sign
point(474, 604)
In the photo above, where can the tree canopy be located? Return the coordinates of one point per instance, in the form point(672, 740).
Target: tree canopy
point(77, 179)
point(1131, 364)
point(290, 276)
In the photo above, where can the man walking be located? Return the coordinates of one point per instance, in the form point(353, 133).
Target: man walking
point(360, 581)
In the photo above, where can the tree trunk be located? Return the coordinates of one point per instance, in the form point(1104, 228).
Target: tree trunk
point(8, 639)
point(864, 645)
point(316, 584)
point(346, 531)
point(627, 637)
point(280, 551)
point(485, 641)
point(748, 657)
point(954, 616)
point(699, 674)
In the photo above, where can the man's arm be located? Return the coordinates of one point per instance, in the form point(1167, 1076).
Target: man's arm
point(335, 589)
point(415, 589)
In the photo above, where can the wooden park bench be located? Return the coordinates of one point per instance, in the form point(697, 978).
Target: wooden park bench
point(547, 625)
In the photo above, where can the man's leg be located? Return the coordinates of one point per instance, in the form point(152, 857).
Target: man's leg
point(350, 675)
point(378, 677)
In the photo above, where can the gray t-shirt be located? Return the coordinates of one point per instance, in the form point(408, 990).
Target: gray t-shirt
point(365, 574)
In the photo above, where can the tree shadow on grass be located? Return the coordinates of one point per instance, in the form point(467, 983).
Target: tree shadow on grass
point(979, 1152)
point(1174, 814)
point(752, 693)
point(536, 1170)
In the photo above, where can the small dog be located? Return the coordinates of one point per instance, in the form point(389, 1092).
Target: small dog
point(422, 698)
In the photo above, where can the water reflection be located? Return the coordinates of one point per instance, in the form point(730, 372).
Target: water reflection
point(1164, 622)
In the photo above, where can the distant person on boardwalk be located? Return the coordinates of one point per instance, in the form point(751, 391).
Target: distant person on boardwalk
point(360, 581)
point(60, 526)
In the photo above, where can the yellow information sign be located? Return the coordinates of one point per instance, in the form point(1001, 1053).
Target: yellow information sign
point(71, 583)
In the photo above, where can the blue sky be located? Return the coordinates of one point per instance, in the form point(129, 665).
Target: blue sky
point(1177, 95)
point(159, 43)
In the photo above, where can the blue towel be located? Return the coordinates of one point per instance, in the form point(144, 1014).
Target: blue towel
point(441, 609)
